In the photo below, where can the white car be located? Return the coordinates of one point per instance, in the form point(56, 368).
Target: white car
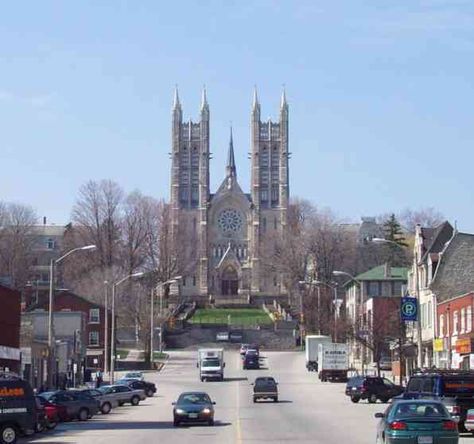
point(222, 336)
point(134, 375)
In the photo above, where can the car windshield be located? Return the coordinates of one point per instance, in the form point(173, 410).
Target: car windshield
point(105, 389)
point(355, 382)
point(252, 352)
point(211, 363)
point(458, 385)
point(264, 381)
point(194, 398)
point(417, 410)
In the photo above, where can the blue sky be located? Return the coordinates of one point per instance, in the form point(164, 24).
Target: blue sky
point(381, 97)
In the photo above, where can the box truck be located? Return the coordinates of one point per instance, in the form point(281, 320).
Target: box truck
point(333, 362)
point(211, 363)
point(312, 348)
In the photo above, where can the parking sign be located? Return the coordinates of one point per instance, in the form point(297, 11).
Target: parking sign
point(409, 309)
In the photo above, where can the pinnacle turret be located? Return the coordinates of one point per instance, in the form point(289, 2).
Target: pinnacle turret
point(176, 103)
point(255, 104)
point(283, 102)
point(204, 103)
point(230, 167)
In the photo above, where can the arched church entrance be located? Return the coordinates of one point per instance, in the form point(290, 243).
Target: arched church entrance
point(229, 281)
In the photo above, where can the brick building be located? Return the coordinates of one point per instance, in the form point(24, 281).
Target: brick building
point(95, 325)
point(10, 319)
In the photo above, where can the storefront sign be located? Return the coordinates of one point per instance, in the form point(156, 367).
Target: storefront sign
point(463, 346)
point(438, 345)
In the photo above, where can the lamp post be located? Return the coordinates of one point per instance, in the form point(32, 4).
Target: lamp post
point(112, 339)
point(106, 328)
point(419, 339)
point(51, 338)
point(334, 288)
point(152, 312)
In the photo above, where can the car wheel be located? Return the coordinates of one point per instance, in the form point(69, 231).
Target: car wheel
point(210, 422)
point(254, 399)
point(8, 434)
point(176, 423)
point(51, 425)
point(39, 427)
point(384, 399)
point(83, 414)
point(372, 398)
point(135, 400)
point(149, 393)
point(275, 399)
point(121, 403)
point(202, 379)
point(355, 399)
point(106, 408)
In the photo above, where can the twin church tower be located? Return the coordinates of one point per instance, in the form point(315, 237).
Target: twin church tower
point(223, 240)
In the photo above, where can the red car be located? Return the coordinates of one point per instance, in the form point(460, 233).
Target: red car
point(54, 413)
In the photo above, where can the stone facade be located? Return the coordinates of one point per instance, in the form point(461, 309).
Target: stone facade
point(220, 237)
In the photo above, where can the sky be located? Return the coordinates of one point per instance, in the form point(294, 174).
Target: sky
point(380, 92)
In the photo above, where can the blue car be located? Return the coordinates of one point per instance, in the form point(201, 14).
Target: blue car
point(416, 422)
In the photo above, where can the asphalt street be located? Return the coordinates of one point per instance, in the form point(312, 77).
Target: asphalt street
point(308, 411)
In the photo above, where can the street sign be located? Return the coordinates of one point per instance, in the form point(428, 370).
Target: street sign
point(409, 309)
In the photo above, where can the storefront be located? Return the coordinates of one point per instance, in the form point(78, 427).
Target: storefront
point(461, 357)
point(440, 354)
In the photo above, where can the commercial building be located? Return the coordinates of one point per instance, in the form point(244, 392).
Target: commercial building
point(10, 319)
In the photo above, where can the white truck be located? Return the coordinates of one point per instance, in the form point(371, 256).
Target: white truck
point(333, 362)
point(211, 363)
point(311, 348)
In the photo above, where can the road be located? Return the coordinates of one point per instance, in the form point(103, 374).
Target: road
point(308, 411)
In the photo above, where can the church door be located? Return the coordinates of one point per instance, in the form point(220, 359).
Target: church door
point(229, 282)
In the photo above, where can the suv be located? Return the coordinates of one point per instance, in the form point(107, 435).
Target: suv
point(18, 407)
point(371, 388)
point(78, 405)
point(251, 360)
point(455, 388)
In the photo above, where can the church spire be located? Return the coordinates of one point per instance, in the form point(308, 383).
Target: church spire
point(255, 104)
point(283, 102)
point(230, 167)
point(176, 103)
point(204, 103)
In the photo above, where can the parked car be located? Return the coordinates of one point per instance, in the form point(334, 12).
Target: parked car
point(19, 409)
point(235, 336)
point(243, 349)
point(78, 405)
point(455, 388)
point(106, 402)
point(53, 413)
point(265, 387)
point(222, 336)
point(148, 387)
point(416, 421)
point(134, 375)
point(251, 360)
point(469, 421)
point(385, 363)
point(193, 407)
point(41, 419)
point(371, 388)
point(123, 394)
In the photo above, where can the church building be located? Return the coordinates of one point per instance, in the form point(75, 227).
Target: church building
point(222, 239)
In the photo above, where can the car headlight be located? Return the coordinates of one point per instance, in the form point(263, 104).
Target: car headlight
point(206, 411)
point(180, 411)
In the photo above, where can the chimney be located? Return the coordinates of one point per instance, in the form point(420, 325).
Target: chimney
point(387, 270)
point(44, 220)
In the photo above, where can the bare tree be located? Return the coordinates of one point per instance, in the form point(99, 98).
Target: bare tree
point(427, 217)
point(16, 242)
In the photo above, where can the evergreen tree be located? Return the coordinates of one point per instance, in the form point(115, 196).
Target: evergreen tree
point(393, 231)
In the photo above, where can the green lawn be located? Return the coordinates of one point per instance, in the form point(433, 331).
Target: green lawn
point(238, 316)
point(157, 356)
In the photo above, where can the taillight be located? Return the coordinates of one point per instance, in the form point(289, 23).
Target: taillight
point(450, 425)
point(398, 425)
point(470, 416)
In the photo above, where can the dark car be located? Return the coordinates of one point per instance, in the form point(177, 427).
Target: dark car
point(371, 388)
point(106, 402)
point(148, 387)
point(251, 360)
point(51, 414)
point(416, 421)
point(455, 388)
point(19, 409)
point(79, 405)
point(265, 387)
point(193, 407)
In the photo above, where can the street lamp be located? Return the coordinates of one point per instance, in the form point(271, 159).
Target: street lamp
point(316, 284)
point(51, 338)
point(112, 339)
point(334, 288)
point(152, 326)
point(106, 328)
point(419, 342)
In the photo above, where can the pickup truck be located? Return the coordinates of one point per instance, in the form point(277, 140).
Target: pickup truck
point(265, 387)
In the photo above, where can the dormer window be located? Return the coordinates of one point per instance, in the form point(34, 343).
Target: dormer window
point(50, 244)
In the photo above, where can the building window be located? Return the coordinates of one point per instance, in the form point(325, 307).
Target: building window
point(264, 225)
point(264, 195)
point(194, 281)
point(94, 316)
point(93, 338)
point(463, 320)
point(184, 281)
point(429, 314)
point(275, 282)
point(50, 244)
point(455, 322)
point(441, 326)
point(468, 319)
point(274, 194)
point(372, 289)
